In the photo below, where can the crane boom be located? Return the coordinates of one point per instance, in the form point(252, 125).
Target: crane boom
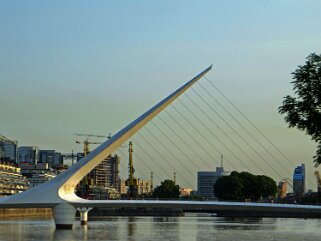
point(3, 138)
point(93, 135)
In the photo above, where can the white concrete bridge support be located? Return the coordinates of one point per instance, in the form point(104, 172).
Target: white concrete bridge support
point(83, 215)
point(64, 215)
point(59, 193)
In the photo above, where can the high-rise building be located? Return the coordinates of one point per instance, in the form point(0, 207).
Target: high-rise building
point(102, 179)
point(51, 157)
point(206, 181)
point(299, 180)
point(8, 149)
point(106, 173)
point(28, 154)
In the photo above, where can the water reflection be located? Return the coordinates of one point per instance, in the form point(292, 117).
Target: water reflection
point(131, 227)
point(21, 229)
point(164, 228)
point(168, 227)
point(66, 235)
point(237, 223)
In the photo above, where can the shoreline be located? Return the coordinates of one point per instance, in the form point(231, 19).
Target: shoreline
point(24, 212)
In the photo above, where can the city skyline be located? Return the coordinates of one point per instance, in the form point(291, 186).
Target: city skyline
point(86, 68)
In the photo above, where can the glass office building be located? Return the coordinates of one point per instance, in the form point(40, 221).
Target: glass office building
point(299, 180)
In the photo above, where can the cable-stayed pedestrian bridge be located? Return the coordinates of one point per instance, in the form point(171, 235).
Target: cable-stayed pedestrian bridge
point(59, 193)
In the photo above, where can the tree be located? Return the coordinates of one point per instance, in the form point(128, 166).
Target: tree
point(229, 188)
point(250, 188)
point(244, 185)
point(267, 186)
point(167, 189)
point(304, 110)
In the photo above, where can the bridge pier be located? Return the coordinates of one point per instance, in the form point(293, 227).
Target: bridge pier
point(83, 215)
point(64, 215)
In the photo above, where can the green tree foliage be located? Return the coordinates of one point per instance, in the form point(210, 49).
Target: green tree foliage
point(244, 185)
point(267, 186)
point(229, 188)
point(167, 189)
point(303, 111)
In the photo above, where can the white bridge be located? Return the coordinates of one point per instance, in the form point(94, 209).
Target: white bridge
point(59, 193)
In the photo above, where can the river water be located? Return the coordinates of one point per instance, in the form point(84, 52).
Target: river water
point(192, 227)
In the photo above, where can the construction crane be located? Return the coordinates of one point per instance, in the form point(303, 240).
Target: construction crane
point(86, 143)
point(318, 178)
point(87, 181)
point(131, 182)
point(5, 139)
point(93, 135)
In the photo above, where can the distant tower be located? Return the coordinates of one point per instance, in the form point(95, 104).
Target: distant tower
point(175, 178)
point(222, 160)
point(299, 180)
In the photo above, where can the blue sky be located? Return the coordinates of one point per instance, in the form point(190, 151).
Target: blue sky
point(93, 66)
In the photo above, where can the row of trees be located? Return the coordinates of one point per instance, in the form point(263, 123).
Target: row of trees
point(244, 185)
point(237, 186)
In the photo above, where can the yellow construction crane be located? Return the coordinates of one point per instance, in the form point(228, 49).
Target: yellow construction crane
point(131, 182)
point(88, 180)
point(318, 178)
point(87, 142)
point(86, 145)
point(93, 135)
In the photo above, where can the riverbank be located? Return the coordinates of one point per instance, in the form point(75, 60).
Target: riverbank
point(159, 212)
point(96, 212)
point(24, 212)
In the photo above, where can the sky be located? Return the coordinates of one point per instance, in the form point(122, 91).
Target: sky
point(93, 66)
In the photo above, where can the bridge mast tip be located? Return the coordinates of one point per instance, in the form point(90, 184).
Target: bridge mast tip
point(209, 68)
